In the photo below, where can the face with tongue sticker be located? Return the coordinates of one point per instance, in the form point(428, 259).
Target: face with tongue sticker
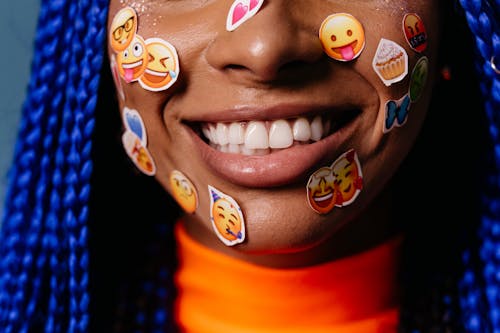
point(342, 37)
point(133, 60)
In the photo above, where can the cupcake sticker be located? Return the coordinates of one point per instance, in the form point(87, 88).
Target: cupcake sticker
point(390, 62)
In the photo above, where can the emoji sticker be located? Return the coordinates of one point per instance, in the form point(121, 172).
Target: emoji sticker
point(348, 178)
point(241, 11)
point(321, 194)
point(390, 62)
point(418, 78)
point(342, 37)
point(162, 68)
point(135, 141)
point(116, 77)
point(133, 123)
point(138, 153)
point(226, 217)
point(123, 29)
point(396, 113)
point(183, 191)
point(133, 60)
point(415, 32)
point(337, 185)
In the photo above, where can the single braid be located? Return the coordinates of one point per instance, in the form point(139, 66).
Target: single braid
point(479, 286)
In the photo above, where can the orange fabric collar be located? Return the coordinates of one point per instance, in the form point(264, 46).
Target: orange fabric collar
point(218, 293)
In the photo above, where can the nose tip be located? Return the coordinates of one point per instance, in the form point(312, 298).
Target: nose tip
point(265, 46)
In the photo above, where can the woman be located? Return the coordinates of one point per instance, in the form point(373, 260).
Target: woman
point(309, 192)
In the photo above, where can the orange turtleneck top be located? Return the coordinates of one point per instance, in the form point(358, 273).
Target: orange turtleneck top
point(221, 294)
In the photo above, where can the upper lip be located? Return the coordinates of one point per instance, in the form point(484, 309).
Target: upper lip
point(278, 111)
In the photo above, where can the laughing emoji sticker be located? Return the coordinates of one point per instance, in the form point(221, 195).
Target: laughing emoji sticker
point(337, 185)
point(162, 68)
point(321, 192)
point(342, 37)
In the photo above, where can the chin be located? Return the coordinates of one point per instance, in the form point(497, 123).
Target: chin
point(286, 227)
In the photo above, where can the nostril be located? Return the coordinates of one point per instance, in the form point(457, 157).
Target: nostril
point(293, 65)
point(297, 68)
point(235, 67)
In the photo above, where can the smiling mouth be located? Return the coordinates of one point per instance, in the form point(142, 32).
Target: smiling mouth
point(259, 137)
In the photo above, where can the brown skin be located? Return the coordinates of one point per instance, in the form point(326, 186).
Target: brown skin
point(276, 58)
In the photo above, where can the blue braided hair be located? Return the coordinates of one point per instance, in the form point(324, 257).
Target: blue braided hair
point(480, 287)
point(44, 253)
point(63, 268)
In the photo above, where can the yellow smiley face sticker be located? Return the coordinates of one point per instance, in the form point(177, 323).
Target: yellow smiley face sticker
point(321, 192)
point(226, 217)
point(348, 178)
point(183, 191)
point(133, 60)
point(342, 37)
point(123, 29)
point(138, 153)
point(162, 69)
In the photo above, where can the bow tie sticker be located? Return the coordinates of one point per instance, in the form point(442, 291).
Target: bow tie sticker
point(396, 113)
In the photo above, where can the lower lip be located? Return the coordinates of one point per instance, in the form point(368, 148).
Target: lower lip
point(276, 169)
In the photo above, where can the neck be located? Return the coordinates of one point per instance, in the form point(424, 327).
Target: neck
point(218, 293)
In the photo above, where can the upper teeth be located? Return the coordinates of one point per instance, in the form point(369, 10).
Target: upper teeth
point(259, 137)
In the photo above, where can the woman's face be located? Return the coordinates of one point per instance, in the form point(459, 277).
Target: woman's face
point(273, 104)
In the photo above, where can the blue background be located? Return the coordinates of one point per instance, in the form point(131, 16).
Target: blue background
point(18, 20)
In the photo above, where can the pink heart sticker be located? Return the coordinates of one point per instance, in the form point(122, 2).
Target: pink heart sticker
point(253, 4)
point(239, 12)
